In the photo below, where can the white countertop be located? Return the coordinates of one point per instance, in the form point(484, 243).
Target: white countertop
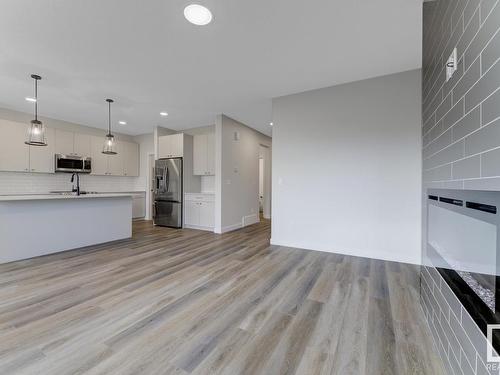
point(31, 197)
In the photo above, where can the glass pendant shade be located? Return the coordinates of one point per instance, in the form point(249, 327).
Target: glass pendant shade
point(109, 145)
point(36, 130)
point(36, 134)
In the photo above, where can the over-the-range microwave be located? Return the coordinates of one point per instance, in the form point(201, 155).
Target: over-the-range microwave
point(73, 164)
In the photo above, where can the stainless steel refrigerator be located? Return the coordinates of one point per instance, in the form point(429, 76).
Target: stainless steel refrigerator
point(167, 210)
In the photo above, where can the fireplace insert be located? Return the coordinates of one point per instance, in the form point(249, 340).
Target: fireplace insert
point(463, 244)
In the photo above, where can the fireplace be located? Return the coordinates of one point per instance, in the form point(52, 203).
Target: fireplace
point(463, 232)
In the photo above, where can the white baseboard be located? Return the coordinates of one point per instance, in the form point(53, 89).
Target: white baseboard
point(362, 254)
point(228, 228)
point(245, 221)
point(199, 227)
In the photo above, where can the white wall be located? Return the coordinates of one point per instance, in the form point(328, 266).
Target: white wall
point(347, 169)
point(237, 174)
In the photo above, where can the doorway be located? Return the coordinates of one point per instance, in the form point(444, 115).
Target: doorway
point(265, 181)
point(261, 185)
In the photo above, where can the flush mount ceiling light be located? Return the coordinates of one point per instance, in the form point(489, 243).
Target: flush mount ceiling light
point(109, 141)
point(36, 130)
point(271, 124)
point(164, 114)
point(122, 122)
point(198, 14)
point(28, 99)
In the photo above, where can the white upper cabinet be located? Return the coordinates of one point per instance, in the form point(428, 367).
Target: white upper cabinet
point(99, 160)
point(171, 146)
point(64, 142)
point(200, 155)
point(124, 163)
point(82, 144)
point(70, 143)
point(115, 162)
point(14, 153)
point(42, 158)
point(204, 155)
point(16, 156)
point(211, 154)
point(130, 158)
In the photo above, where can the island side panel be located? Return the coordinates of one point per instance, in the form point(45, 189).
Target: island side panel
point(38, 227)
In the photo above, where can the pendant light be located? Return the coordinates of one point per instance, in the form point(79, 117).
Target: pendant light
point(36, 130)
point(109, 141)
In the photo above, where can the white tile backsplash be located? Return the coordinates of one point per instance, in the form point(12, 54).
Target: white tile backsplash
point(207, 184)
point(25, 183)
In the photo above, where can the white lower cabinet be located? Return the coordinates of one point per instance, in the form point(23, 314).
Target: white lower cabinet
point(199, 211)
point(138, 205)
point(191, 213)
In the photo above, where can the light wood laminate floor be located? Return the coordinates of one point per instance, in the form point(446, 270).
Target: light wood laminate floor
point(191, 302)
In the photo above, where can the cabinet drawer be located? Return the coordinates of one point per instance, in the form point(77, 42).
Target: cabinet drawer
point(199, 197)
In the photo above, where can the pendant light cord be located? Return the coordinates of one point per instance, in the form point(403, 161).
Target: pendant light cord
point(36, 99)
point(109, 117)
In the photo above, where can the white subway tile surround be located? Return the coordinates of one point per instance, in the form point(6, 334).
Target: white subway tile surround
point(460, 141)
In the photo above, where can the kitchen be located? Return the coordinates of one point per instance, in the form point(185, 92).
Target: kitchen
point(74, 182)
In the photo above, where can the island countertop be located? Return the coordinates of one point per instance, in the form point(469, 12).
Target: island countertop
point(35, 197)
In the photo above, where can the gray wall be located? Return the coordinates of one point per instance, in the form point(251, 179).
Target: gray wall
point(347, 168)
point(461, 140)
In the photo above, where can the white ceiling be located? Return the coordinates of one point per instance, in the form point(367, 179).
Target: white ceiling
point(146, 56)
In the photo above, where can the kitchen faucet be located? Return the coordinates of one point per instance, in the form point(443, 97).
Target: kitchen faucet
point(77, 189)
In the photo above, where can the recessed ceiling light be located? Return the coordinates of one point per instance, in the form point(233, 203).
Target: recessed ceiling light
point(271, 124)
point(163, 113)
point(122, 122)
point(28, 99)
point(198, 14)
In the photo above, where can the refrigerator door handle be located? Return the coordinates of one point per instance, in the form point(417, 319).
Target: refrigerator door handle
point(168, 179)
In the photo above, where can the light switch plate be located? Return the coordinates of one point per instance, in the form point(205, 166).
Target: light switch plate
point(451, 64)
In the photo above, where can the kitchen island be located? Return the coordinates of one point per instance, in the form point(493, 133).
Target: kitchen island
point(40, 224)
